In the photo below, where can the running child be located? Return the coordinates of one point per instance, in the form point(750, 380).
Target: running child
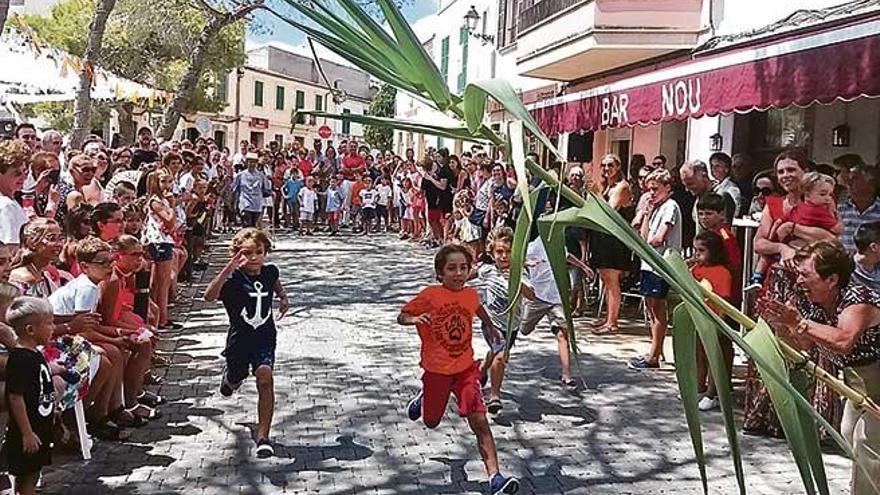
point(711, 264)
point(443, 315)
point(30, 394)
point(492, 284)
point(245, 286)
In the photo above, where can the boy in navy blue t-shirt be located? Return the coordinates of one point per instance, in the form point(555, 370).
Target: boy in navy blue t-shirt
point(246, 286)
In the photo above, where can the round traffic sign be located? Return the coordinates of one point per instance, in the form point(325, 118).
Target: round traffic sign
point(325, 132)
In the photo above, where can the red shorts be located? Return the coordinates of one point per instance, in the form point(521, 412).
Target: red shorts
point(333, 216)
point(466, 387)
point(435, 215)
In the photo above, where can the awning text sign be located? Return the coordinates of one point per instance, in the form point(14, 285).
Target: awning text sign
point(843, 70)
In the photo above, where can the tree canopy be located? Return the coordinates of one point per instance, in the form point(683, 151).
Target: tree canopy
point(382, 106)
point(148, 42)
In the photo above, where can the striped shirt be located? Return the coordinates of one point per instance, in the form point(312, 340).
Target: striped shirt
point(852, 218)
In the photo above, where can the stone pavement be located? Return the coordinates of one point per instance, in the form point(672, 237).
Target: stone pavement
point(344, 373)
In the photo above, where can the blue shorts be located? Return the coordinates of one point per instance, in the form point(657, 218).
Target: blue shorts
point(653, 285)
point(160, 251)
point(248, 350)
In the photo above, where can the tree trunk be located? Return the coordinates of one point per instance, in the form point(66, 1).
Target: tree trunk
point(126, 123)
point(82, 106)
point(4, 11)
point(186, 88)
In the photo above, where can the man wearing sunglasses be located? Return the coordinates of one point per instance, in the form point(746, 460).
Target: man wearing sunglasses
point(81, 171)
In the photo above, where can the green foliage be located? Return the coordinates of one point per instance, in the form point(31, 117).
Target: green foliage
point(381, 137)
point(59, 115)
point(148, 42)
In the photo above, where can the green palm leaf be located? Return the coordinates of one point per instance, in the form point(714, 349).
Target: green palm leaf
point(456, 132)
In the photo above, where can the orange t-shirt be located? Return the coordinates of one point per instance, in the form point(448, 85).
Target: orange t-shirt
point(356, 192)
point(446, 341)
point(717, 275)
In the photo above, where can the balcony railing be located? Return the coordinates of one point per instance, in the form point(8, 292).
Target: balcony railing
point(533, 12)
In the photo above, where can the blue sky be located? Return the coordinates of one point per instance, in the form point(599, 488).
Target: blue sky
point(279, 31)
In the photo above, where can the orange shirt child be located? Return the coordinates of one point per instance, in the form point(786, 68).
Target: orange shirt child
point(356, 192)
point(446, 339)
point(717, 275)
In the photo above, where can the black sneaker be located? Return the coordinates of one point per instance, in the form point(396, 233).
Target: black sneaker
point(264, 448)
point(640, 363)
point(226, 387)
point(499, 485)
point(414, 408)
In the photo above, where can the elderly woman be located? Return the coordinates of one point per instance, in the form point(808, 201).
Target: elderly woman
point(842, 322)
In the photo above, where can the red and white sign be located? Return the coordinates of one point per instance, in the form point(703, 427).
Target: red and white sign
point(259, 123)
point(325, 131)
point(820, 68)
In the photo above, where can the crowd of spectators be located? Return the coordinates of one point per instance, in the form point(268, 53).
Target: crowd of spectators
point(104, 235)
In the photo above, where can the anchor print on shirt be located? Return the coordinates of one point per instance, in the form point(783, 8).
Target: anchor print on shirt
point(257, 319)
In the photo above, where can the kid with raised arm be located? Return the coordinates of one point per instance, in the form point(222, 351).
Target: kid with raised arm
point(245, 286)
point(443, 315)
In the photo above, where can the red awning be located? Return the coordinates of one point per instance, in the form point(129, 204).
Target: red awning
point(842, 64)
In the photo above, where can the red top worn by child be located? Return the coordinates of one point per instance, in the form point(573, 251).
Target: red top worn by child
point(446, 340)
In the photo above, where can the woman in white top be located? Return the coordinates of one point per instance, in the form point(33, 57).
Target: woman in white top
point(161, 222)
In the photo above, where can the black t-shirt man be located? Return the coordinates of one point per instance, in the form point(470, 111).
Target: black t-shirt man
point(28, 375)
point(436, 198)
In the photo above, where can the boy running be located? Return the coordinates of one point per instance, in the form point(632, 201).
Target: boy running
point(443, 315)
point(245, 286)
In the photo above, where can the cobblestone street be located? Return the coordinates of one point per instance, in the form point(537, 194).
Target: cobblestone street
point(345, 371)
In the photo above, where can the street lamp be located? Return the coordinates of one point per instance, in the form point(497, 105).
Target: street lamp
point(472, 19)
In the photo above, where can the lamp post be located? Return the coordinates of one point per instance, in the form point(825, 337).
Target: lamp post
point(472, 19)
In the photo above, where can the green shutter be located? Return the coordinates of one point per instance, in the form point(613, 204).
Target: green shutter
point(300, 104)
point(319, 103)
point(346, 124)
point(279, 97)
point(440, 143)
point(463, 41)
point(258, 93)
point(444, 59)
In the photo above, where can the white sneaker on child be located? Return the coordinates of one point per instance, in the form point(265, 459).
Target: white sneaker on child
point(707, 404)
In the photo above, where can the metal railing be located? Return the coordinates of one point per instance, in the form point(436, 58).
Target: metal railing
point(533, 12)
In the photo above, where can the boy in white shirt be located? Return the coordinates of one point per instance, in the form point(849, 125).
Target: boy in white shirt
point(369, 200)
point(308, 201)
point(385, 193)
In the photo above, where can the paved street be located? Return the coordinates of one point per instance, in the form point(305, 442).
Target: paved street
point(344, 372)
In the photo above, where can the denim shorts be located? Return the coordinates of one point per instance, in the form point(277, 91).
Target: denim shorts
point(160, 251)
point(653, 285)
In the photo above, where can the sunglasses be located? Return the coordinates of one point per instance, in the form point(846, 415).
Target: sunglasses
point(608, 164)
point(88, 170)
point(657, 164)
point(764, 191)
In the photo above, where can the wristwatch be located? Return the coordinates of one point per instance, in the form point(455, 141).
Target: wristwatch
point(802, 325)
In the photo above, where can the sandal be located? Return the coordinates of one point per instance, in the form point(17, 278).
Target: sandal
point(150, 399)
point(569, 383)
point(127, 419)
point(144, 411)
point(494, 406)
point(107, 430)
point(605, 330)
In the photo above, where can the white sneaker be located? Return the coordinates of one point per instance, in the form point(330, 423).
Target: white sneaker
point(707, 404)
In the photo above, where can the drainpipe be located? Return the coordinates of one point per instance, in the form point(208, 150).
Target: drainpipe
point(239, 74)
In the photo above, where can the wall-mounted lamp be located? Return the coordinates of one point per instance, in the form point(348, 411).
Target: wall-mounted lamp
point(716, 142)
point(840, 136)
point(472, 19)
